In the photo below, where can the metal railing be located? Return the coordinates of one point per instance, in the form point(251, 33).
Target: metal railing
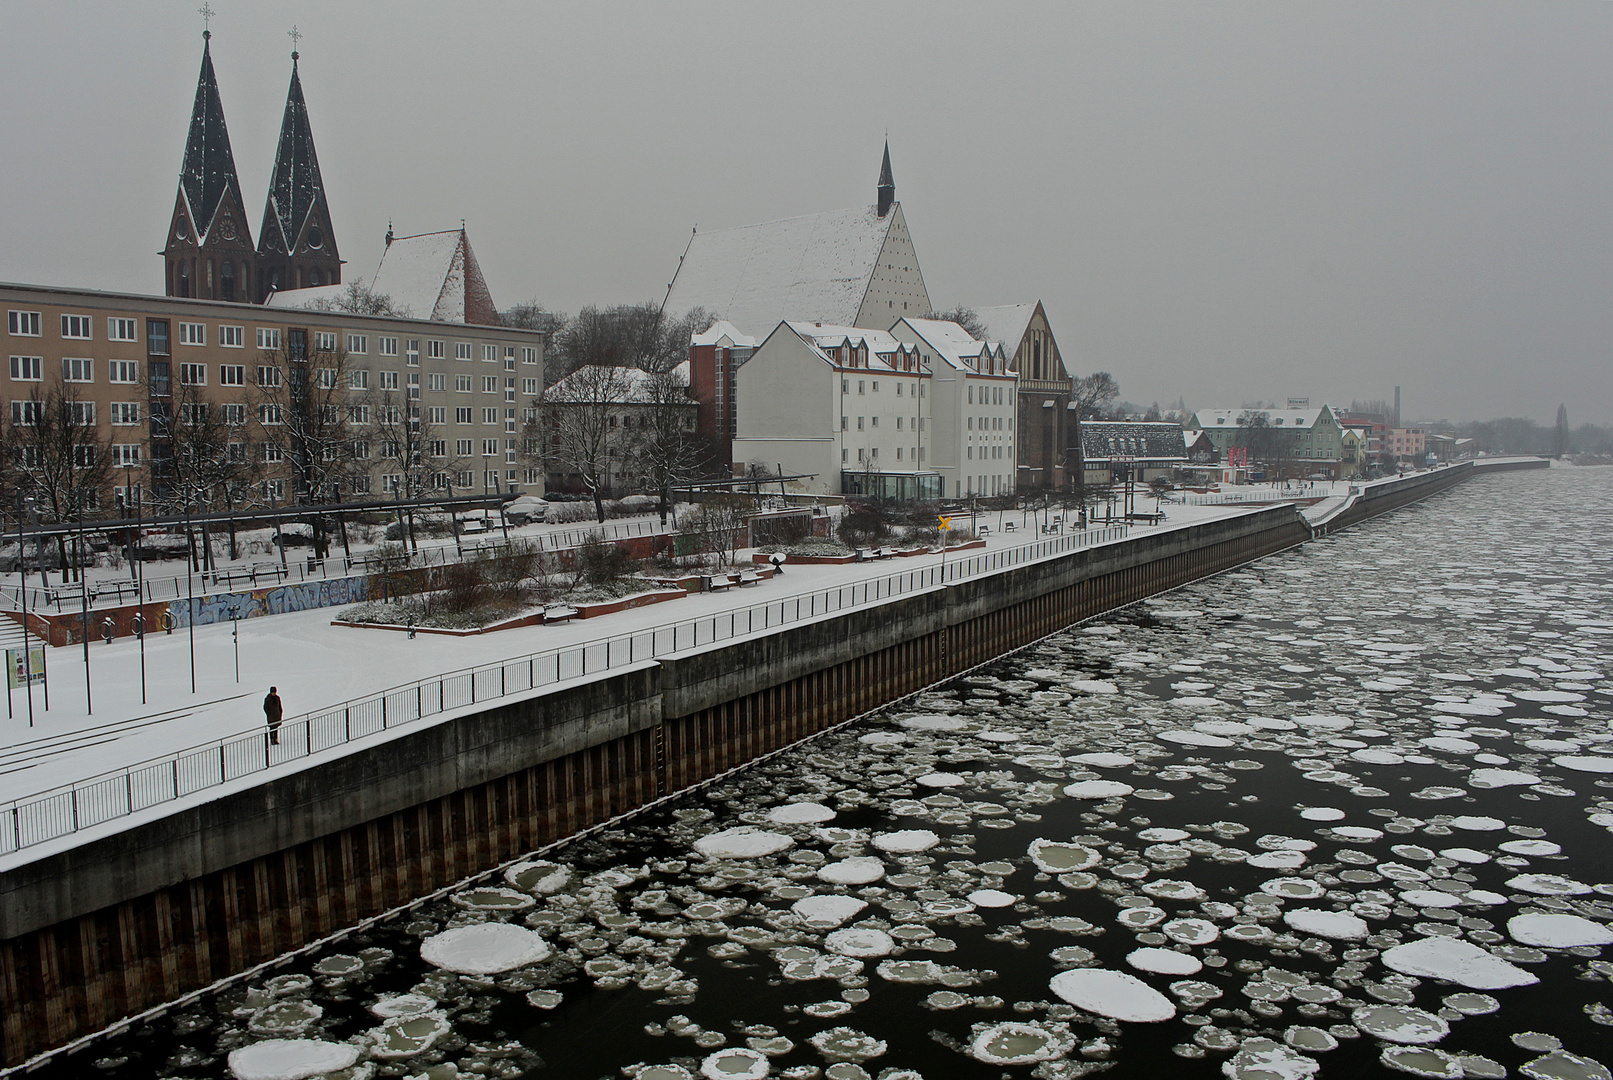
point(121, 792)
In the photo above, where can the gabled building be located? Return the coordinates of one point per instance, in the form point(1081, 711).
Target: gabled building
point(1112, 450)
point(431, 276)
point(715, 357)
point(1046, 422)
point(974, 405)
point(296, 244)
point(1316, 445)
point(855, 268)
point(850, 407)
point(208, 253)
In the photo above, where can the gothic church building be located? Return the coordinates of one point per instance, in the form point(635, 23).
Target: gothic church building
point(209, 254)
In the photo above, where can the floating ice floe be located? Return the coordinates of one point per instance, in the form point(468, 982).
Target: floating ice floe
point(407, 1036)
point(1557, 931)
point(1357, 832)
point(1494, 778)
point(1191, 931)
point(1114, 994)
point(1054, 857)
point(1170, 889)
point(1277, 860)
point(846, 1044)
point(1457, 961)
point(1423, 1061)
point(801, 813)
point(857, 870)
point(859, 941)
point(1016, 1043)
point(1093, 686)
point(290, 1059)
point(402, 1005)
point(657, 1072)
point(1097, 789)
point(1293, 888)
point(484, 949)
point(992, 898)
point(1164, 962)
point(1548, 885)
point(1159, 835)
point(1473, 823)
point(1266, 1059)
point(1590, 764)
point(743, 842)
point(735, 1063)
point(1337, 925)
point(907, 841)
point(1323, 813)
point(1561, 1065)
point(826, 911)
point(932, 722)
point(543, 878)
point(1430, 898)
point(493, 898)
point(1400, 1024)
point(1531, 847)
point(941, 780)
point(1185, 737)
point(1102, 760)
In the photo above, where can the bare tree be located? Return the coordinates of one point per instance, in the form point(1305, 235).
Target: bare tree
point(1094, 393)
point(1266, 443)
point(664, 444)
point(359, 299)
point(62, 460)
point(212, 460)
point(578, 420)
point(628, 335)
point(301, 398)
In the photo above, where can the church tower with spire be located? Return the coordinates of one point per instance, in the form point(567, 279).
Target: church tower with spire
point(296, 246)
point(208, 253)
point(887, 185)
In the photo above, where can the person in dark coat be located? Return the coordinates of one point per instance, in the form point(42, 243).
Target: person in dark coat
point(272, 711)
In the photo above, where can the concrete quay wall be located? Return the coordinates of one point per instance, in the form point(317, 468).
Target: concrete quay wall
point(113, 927)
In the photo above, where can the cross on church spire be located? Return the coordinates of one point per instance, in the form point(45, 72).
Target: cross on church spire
point(295, 35)
point(206, 12)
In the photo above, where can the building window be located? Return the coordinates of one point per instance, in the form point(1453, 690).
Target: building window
point(22, 323)
point(268, 413)
point(193, 412)
point(489, 384)
point(358, 414)
point(490, 416)
point(77, 327)
point(358, 380)
point(234, 414)
point(389, 380)
point(121, 330)
point(230, 375)
point(157, 337)
point(529, 387)
point(358, 343)
point(489, 447)
point(859, 423)
point(325, 378)
point(273, 490)
point(25, 413)
point(462, 416)
point(324, 341)
point(192, 374)
point(271, 452)
point(529, 355)
point(490, 354)
point(268, 337)
point(461, 350)
point(232, 337)
point(27, 368)
point(462, 384)
point(125, 413)
point(436, 415)
point(434, 349)
point(436, 381)
point(463, 447)
point(387, 346)
point(269, 376)
point(192, 333)
point(125, 455)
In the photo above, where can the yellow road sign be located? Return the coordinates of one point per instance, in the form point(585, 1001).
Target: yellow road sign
point(946, 522)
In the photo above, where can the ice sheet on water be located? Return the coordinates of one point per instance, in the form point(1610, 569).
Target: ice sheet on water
point(1494, 778)
point(1557, 930)
point(1585, 763)
point(1114, 994)
point(1457, 961)
point(800, 813)
point(1188, 737)
point(1475, 823)
point(1093, 686)
point(1164, 962)
point(860, 941)
point(1548, 885)
point(1102, 760)
point(742, 842)
point(1337, 925)
point(1403, 1024)
point(857, 870)
point(933, 722)
point(735, 1063)
point(992, 898)
point(1097, 789)
point(906, 841)
point(290, 1059)
point(1266, 1059)
point(827, 911)
point(1323, 813)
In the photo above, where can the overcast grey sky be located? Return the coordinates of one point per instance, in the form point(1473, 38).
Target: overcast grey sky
point(1220, 201)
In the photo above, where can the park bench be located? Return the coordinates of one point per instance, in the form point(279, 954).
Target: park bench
point(1009, 526)
point(556, 613)
point(1152, 519)
point(718, 582)
point(749, 578)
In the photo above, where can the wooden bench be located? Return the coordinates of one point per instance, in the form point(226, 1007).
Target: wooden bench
point(556, 613)
point(749, 578)
point(1009, 526)
point(1152, 519)
point(718, 582)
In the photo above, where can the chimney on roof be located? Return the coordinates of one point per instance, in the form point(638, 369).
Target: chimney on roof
point(887, 186)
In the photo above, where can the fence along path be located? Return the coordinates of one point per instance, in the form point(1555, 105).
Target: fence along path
point(121, 792)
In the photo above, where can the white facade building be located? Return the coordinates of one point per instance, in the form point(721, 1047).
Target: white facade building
point(974, 400)
point(847, 405)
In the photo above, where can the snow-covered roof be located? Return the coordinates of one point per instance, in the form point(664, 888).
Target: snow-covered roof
point(636, 383)
point(720, 330)
point(953, 344)
point(1006, 323)
point(1303, 419)
point(1103, 440)
point(815, 266)
point(880, 343)
point(435, 276)
point(301, 298)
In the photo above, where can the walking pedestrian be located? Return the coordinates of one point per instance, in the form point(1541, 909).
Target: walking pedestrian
point(272, 711)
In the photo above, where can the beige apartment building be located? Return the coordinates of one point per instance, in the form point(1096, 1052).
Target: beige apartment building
point(407, 403)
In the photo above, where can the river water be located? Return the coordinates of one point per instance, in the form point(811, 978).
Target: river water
point(1343, 811)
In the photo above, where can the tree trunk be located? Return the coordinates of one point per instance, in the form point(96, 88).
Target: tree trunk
point(599, 506)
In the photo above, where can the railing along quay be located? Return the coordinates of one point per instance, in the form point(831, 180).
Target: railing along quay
point(121, 792)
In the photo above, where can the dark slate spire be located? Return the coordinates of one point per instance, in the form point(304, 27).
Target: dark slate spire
point(295, 187)
point(887, 186)
point(208, 174)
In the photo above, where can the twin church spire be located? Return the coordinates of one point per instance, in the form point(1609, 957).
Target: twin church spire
point(209, 252)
